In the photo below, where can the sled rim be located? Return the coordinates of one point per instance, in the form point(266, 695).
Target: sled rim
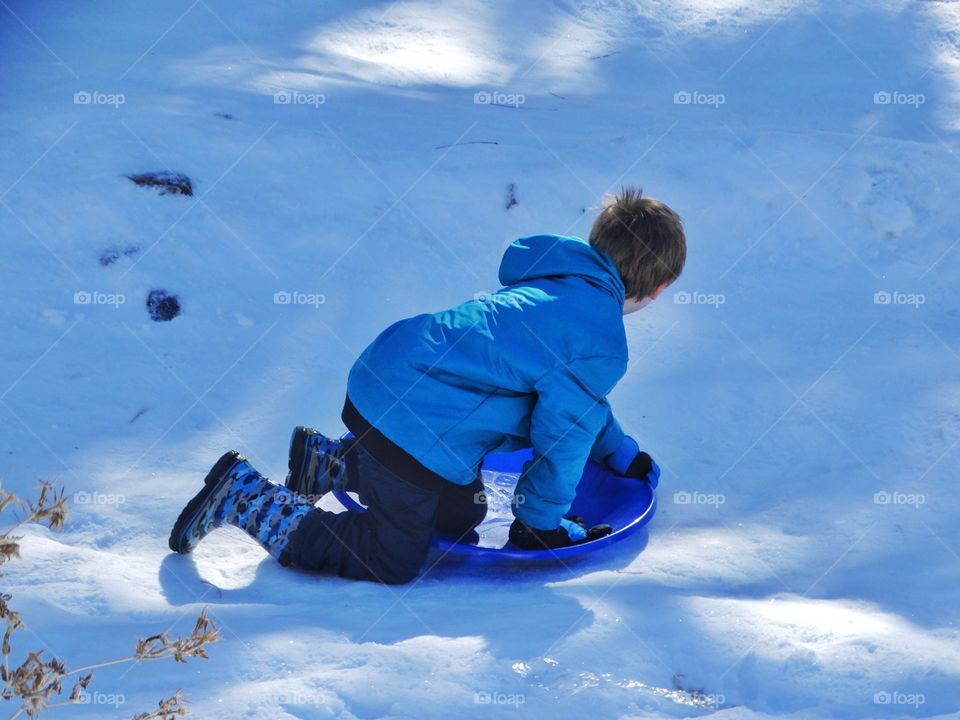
point(642, 497)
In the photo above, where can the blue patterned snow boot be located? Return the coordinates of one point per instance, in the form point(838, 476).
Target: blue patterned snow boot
point(317, 464)
point(234, 493)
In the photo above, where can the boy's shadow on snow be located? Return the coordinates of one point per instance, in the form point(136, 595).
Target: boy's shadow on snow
point(456, 596)
point(181, 584)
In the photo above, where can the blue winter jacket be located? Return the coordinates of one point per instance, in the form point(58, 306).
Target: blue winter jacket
point(527, 366)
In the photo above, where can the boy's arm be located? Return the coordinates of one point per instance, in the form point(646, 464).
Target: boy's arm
point(621, 453)
point(567, 418)
point(609, 439)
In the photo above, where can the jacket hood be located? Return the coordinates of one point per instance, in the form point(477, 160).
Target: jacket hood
point(543, 256)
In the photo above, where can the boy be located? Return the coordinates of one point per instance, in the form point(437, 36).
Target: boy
point(528, 366)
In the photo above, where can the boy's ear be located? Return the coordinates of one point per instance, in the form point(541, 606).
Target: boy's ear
point(656, 293)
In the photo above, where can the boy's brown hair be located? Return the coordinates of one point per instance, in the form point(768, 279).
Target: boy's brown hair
point(645, 239)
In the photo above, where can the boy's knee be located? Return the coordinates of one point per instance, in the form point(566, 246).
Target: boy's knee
point(399, 568)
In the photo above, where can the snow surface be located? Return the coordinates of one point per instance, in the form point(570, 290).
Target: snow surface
point(779, 392)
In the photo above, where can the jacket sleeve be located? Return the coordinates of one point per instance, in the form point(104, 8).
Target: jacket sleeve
point(609, 438)
point(568, 416)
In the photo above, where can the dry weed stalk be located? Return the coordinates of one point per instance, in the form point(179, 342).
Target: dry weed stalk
point(166, 710)
point(37, 680)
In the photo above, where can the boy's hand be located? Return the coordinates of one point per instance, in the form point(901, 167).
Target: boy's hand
point(572, 531)
point(630, 461)
point(645, 468)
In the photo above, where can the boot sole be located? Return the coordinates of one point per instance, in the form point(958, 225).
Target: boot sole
point(193, 508)
point(298, 446)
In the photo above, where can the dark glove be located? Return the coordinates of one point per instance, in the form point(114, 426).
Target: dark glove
point(645, 468)
point(572, 531)
point(629, 461)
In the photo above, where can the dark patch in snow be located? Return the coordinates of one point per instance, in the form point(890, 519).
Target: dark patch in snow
point(170, 183)
point(609, 54)
point(138, 415)
point(511, 195)
point(109, 256)
point(225, 116)
point(162, 306)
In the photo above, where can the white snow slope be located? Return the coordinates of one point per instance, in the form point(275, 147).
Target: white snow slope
point(799, 384)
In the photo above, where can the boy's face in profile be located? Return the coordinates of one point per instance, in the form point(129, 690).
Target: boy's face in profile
point(631, 305)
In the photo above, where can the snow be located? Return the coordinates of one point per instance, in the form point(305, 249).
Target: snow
point(798, 385)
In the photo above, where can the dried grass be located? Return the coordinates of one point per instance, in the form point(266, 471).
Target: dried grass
point(37, 682)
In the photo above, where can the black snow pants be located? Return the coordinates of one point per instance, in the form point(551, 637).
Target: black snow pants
point(389, 542)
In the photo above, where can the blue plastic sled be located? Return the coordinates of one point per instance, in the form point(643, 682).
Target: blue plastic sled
point(626, 504)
